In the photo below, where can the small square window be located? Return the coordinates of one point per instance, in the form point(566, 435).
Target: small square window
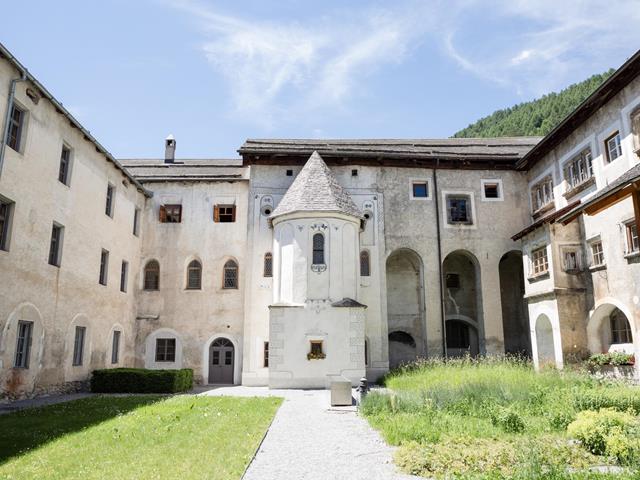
point(452, 280)
point(459, 209)
point(492, 190)
point(597, 253)
point(571, 260)
point(170, 213)
point(289, 173)
point(613, 147)
point(224, 213)
point(354, 172)
point(539, 261)
point(165, 350)
point(420, 190)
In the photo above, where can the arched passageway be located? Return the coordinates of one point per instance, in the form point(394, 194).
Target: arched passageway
point(402, 348)
point(515, 315)
point(545, 341)
point(609, 330)
point(462, 338)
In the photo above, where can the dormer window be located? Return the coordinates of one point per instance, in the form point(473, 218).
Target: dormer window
point(318, 249)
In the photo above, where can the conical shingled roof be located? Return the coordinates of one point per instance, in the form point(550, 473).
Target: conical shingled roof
point(315, 189)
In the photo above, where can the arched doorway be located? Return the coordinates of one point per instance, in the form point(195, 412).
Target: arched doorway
point(515, 315)
point(405, 307)
point(221, 360)
point(402, 349)
point(609, 330)
point(544, 341)
point(463, 303)
point(462, 338)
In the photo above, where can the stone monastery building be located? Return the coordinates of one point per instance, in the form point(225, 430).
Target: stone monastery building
point(307, 259)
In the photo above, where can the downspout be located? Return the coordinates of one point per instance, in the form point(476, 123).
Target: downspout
point(442, 313)
point(7, 117)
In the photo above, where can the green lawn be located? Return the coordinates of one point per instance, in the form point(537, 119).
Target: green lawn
point(135, 437)
point(497, 418)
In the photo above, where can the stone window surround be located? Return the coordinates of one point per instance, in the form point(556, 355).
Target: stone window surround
point(490, 181)
point(571, 156)
point(24, 127)
point(602, 137)
point(565, 248)
point(473, 225)
point(548, 173)
point(615, 137)
point(629, 113)
point(542, 274)
point(629, 251)
point(66, 178)
point(425, 180)
point(591, 241)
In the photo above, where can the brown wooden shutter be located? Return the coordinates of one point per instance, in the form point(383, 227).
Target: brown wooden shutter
point(216, 213)
point(179, 213)
point(233, 213)
point(163, 214)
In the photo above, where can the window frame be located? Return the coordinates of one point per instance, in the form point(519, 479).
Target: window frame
point(6, 223)
point(110, 200)
point(194, 266)
point(136, 221)
point(226, 210)
point(170, 213)
point(64, 168)
point(632, 240)
point(24, 339)
point(574, 168)
point(267, 265)
point(574, 265)
point(103, 276)
point(55, 245)
point(16, 141)
point(166, 354)
point(265, 355)
point(468, 209)
point(618, 147)
point(318, 253)
point(592, 255)
point(79, 339)
point(420, 181)
point(147, 286)
point(124, 276)
point(619, 331)
point(115, 347)
point(541, 186)
point(316, 347)
point(488, 182)
point(539, 264)
point(365, 263)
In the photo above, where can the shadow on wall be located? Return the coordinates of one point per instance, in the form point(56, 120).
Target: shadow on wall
point(28, 429)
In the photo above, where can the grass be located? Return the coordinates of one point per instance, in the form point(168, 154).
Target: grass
point(150, 437)
point(492, 418)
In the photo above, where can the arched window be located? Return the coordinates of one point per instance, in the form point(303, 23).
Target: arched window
point(152, 275)
point(194, 275)
point(230, 279)
point(268, 265)
point(318, 249)
point(365, 265)
point(620, 328)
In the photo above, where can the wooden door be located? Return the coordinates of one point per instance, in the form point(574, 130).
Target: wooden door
point(221, 359)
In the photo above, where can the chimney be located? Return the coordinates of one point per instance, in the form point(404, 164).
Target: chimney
point(169, 149)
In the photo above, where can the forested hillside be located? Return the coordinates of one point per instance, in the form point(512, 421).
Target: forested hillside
point(537, 117)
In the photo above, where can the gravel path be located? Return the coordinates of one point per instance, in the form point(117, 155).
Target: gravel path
point(309, 440)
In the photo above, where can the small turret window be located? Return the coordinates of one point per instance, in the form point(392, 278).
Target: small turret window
point(365, 265)
point(318, 249)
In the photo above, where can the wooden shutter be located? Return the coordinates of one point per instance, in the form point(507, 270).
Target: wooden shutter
point(216, 213)
point(233, 213)
point(163, 214)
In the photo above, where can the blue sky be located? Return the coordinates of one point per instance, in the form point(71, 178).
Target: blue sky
point(214, 73)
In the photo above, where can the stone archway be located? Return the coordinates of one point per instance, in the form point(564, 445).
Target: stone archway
point(515, 314)
point(405, 306)
point(463, 300)
point(545, 341)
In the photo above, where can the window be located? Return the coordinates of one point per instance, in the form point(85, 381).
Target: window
point(632, 237)
point(571, 260)
point(78, 346)
point(459, 209)
point(6, 210)
point(452, 280)
point(108, 208)
point(365, 264)
point(366, 353)
point(170, 213)
point(104, 267)
point(230, 275)
point(318, 249)
point(620, 328)
point(16, 127)
point(579, 169)
point(539, 261)
point(491, 190)
point(265, 355)
point(115, 347)
point(268, 265)
point(635, 128)
point(124, 273)
point(354, 172)
point(420, 189)
point(194, 275)
point(224, 213)
point(289, 173)
point(152, 275)
point(23, 344)
point(613, 147)
point(136, 222)
point(316, 347)
point(542, 193)
point(65, 165)
point(55, 246)
point(597, 254)
point(165, 350)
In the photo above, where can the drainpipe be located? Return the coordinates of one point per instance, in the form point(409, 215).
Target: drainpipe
point(437, 205)
point(7, 117)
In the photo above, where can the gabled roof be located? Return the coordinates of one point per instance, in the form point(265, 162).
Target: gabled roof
point(315, 189)
point(609, 89)
point(449, 152)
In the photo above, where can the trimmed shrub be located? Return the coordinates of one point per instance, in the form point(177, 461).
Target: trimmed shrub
point(140, 380)
point(596, 429)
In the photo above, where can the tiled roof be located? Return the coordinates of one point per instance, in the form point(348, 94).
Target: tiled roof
point(156, 170)
point(315, 189)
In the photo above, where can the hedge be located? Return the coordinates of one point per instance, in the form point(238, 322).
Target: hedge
point(140, 380)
